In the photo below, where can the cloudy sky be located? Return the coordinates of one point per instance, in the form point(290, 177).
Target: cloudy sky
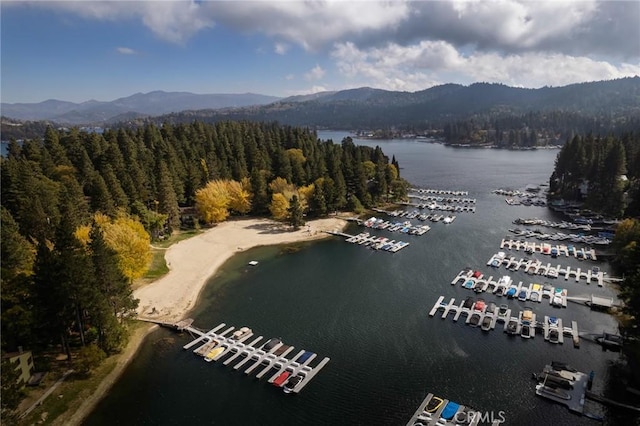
point(85, 50)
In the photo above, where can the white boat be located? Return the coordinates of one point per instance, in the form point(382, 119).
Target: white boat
point(239, 334)
point(253, 263)
point(503, 310)
point(544, 390)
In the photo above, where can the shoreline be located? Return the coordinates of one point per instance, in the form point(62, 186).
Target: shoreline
point(189, 271)
point(193, 261)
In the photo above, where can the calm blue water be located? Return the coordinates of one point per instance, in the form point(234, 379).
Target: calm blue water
point(368, 311)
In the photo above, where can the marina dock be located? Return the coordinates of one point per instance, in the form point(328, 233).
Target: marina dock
point(458, 310)
point(436, 411)
point(557, 296)
point(402, 227)
point(274, 359)
point(374, 242)
point(563, 385)
point(555, 250)
point(536, 267)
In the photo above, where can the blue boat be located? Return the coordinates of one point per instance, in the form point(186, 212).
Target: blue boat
point(305, 356)
point(511, 292)
point(468, 284)
point(450, 410)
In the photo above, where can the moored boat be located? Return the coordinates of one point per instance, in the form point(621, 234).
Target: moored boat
point(282, 378)
point(474, 321)
point(293, 382)
point(486, 323)
point(239, 334)
point(214, 353)
point(502, 312)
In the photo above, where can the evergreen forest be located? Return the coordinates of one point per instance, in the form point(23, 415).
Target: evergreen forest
point(79, 212)
point(603, 172)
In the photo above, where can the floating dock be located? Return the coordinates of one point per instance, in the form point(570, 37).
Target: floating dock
point(402, 227)
point(262, 361)
point(376, 243)
point(536, 267)
point(459, 310)
point(564, 385)
point(560, 236)
point(553, 250)
point(479, 284)
point(439, 191)
point(436, 411)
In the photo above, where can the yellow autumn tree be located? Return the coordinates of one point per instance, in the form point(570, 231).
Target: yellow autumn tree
point(296, 155)
point(279, 206)
point(82, 234)
point(127, 237)
point(282, 186)
point(239, 196)
point(305, 193)
point(212, 201)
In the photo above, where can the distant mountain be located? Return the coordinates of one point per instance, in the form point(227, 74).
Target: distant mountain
point(367, 108)
point(140, 104)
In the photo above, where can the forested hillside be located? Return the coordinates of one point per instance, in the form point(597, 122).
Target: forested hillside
point(433, 108)
point(79, 211)
point(603, 172)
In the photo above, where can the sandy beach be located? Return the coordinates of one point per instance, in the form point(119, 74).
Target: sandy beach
point(191, 262)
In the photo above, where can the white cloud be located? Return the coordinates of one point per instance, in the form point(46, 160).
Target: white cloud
point(425, 64)
point(311, 24)
point(289, 77)
point(316, 73)
point(281, 48)
point(126, 51)
point(174, 21)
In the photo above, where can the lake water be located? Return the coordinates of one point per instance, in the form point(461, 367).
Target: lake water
point(368, 312)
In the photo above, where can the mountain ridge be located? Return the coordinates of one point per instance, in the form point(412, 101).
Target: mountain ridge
point(152, 103)
point(363, 107)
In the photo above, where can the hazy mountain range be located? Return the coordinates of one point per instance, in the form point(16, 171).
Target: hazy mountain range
point(367, 108)
point(140, 104)
point(348, 109)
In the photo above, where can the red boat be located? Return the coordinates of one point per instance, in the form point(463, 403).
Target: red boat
point(479, 305)
point(477, 274)
point(279, 381)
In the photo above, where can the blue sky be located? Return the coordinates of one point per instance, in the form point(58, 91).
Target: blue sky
point(84, 50)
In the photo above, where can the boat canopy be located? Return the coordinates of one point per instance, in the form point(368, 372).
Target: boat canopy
point(450, 410)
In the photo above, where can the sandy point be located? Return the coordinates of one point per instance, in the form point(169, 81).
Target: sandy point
point(191, 262)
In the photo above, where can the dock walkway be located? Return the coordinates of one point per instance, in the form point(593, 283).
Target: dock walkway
point(537, 267)
point(275, 358)
point(459, 310)
point(374, 242)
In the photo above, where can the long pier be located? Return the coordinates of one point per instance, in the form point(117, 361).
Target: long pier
point(274, 358)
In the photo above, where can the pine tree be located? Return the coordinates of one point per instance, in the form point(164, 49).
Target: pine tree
point(295, 213)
